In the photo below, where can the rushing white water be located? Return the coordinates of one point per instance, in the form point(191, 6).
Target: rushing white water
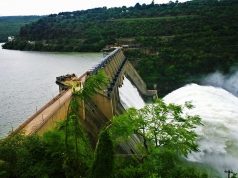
point(228, 81)
point(130, 96)
point(218, 138)
point(218, 108)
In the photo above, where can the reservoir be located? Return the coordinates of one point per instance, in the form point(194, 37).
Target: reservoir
point(27, 81)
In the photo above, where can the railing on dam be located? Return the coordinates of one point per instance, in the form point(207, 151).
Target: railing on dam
point(113, 66)
point(38, 119)
point(105, 61)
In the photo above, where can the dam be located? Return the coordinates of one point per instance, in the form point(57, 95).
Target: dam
point(96, 111)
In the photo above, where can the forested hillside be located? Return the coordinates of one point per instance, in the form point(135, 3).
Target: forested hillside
point(10, 25)
point(177, 41)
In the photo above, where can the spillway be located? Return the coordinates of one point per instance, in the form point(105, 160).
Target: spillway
point(130, 96)
point(218, 138)
point(218, 108)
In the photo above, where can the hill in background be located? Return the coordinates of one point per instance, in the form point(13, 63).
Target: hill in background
point(10, 25)
point(169, 44)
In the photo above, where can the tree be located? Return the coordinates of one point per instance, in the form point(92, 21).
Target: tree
point(103, 161)
point(138, 6)
point(160, 125)
point(31, 156)
point(74, 132)
point(167, 135)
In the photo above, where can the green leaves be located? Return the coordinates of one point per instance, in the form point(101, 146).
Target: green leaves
point(123, 126)
point(167, 135)
point(32, 156)
point(78, 149)
point(161, 124)
point(103, 161)
point(93, 84)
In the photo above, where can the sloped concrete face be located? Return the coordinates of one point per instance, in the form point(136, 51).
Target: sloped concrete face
point(98, 110)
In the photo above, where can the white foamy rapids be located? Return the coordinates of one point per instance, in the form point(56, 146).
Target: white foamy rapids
point(228, 82)
point(129, 95)
point(218, 138)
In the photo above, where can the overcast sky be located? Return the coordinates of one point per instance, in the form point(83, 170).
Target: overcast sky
point(44, 7)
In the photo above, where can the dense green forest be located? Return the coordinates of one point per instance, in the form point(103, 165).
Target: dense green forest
point(176, 42)
point(10, 25)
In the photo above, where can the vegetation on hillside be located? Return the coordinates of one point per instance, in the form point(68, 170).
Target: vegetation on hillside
point(178, 42)
point(10, 25)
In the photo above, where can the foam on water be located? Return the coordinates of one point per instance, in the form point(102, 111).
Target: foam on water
point(129, 95)
point(218, 138)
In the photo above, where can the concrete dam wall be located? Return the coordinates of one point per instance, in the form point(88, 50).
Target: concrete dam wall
point(98, 110)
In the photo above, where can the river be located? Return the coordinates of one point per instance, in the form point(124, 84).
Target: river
point(27, 81)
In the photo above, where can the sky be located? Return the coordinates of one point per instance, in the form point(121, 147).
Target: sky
point(45, 7)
